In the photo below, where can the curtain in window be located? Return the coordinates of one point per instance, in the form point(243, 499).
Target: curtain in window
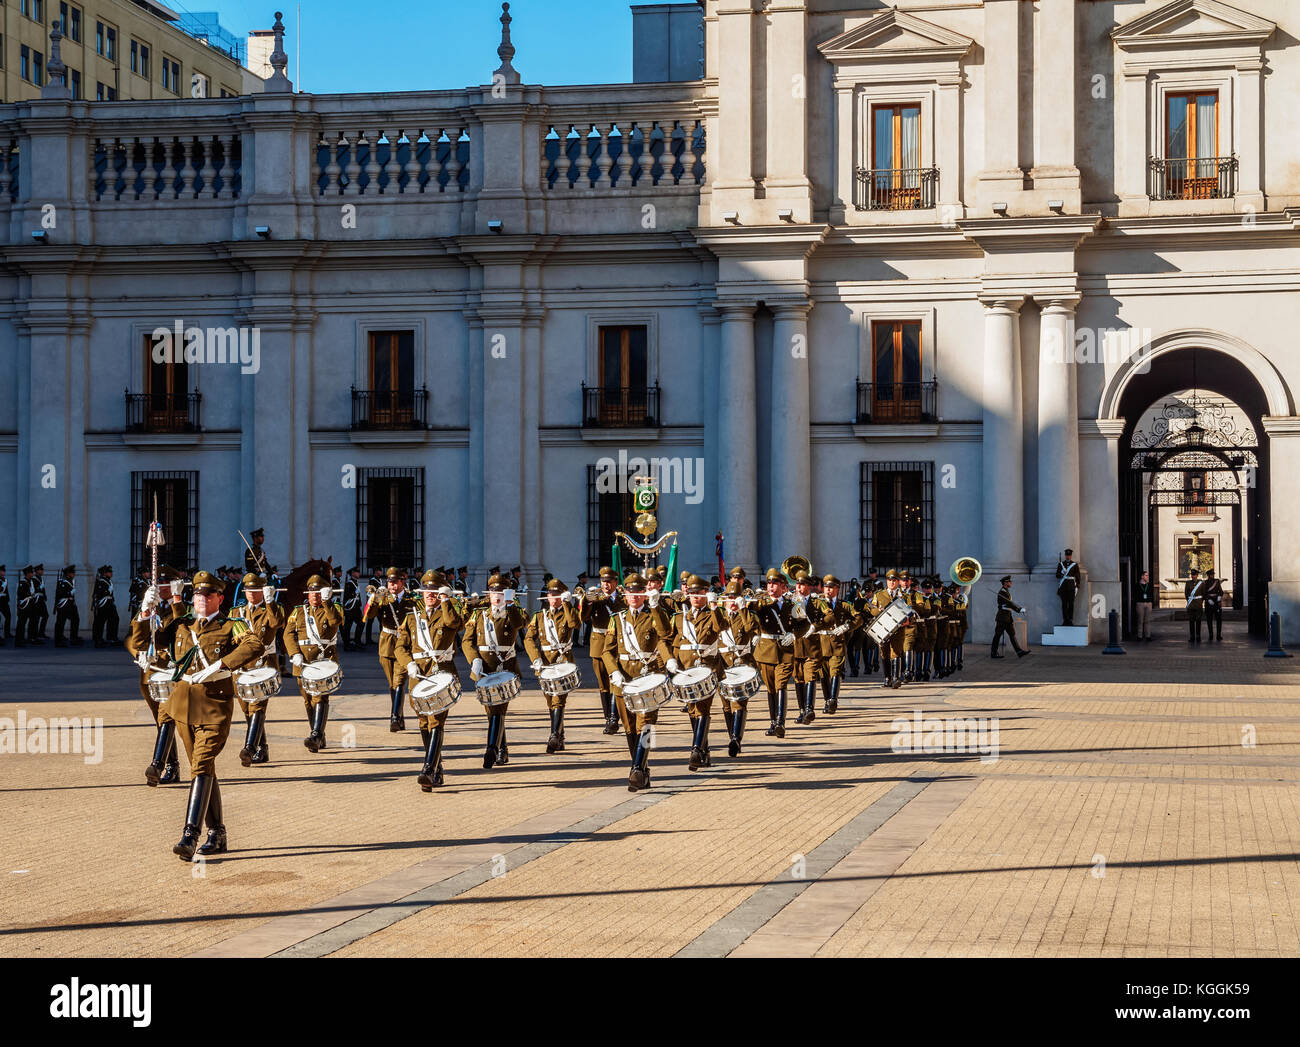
point(910, 160)
point(1206, 136)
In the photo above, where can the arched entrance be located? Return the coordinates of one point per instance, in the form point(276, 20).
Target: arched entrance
point(1188, 379)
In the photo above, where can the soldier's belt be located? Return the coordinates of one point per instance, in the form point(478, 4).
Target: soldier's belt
point(225, 674)
point(706, 650)
point(504, 653)
point(563, 648)
point(385, 631)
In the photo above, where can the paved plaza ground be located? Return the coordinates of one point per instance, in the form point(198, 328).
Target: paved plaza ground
point(1144, 805)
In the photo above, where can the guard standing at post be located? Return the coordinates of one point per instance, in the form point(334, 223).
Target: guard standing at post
point(1067, 571)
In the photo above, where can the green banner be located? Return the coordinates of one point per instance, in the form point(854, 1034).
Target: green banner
point(670, 583)
point(616, 561)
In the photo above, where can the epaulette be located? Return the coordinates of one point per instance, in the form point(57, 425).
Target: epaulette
point(238, 627)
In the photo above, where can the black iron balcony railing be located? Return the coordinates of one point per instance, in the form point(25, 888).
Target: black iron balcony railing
point(379, 409)
point(895, 188)
point(620, 407)
point(163, 412)
point(881, 404)
point(1199, 178)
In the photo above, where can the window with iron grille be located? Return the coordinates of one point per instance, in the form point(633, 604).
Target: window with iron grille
point(390, 518)
point(177, 496)
point(897, 516)
point(607, 512)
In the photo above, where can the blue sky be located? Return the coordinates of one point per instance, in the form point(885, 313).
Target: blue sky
point(439, 44)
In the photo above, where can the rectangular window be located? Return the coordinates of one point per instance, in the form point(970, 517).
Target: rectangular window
point(896, 178)
point(38, 68)
point(38, 11)
point(112, 94)
point(99, 38)
point(111, 42)
point(135, 57)
point(70, 21)
point(607, 512)
point(99, 91)
point(166, 388)
point(1192, 145)
point(390, 518)
point(75, 82)
point(392, 394)
point(144, 61)
point(1194, 500)
point(24, 7)
point(897, 516)
point(177, 495)
point(623, 385)
point(896, 391)
point(25, 63)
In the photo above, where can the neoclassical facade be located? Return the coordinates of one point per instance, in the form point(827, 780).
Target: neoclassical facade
point(890, 285)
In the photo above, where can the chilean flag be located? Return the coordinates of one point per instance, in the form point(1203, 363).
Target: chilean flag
point(722, 567)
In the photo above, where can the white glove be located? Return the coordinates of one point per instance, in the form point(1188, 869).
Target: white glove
point(178, 587)
point(325, 594)
point(203, 674)
point(537, 665)
point(674, 666)
point(617, 678)
point(149, 602)
point(296, 660)
point(787, 640)
point(477, 667)
point(712, 599)
point(742, 602)
point(142, 660)
point(268, 593)
point(653, 598)
point(509, 595)
point(566, 596)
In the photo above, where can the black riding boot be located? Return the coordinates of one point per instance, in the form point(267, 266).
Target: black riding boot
point(553, 742)
point(216, 841)
point(424, 737)
point(493, 736)
point(697, 743)
point(639, 778)
point(431, 772)
point(830, 694)
point(249, 751)
point(395, 721)
point(164, 753)
point(780, 714)
point(503, 750)
point(738, 730)
point(730, 717)
point(261, 754)
point(316, 740)
point(810, 699)
point(200, 793)
point(898, 674)
point(611, 714)
point(771, 711)
point(631, 744)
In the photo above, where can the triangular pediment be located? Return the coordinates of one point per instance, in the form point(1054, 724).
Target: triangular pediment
point(895, 34)
point(1191, 22)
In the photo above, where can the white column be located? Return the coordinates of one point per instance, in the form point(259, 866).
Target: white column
point(1131, 143)
point(791, 464)
point(1098, 549)
point(1002, 460)
point(1249, 99)
point(1001, 172)
point(1284, 576)
point(1058, 433)
point(947, 147)
point(737, 473)
point(1054, 168)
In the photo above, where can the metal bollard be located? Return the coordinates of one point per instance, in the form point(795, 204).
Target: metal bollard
point(1113, 647)
point(1275, 637)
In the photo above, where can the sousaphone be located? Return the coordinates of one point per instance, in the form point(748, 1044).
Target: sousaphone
point(965, 570)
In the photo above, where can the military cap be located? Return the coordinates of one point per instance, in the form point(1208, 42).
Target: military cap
point(607, 572)
point(891, 573)
point(259, 533)
point(1004, 579)
point(107, 567)
point(252, 580)
point(71, 568)
point(39, 567)
point(634, 583)
point(736, 572)
point(735, 587)
point(1195, 570)
point(1069, 552)
point(432, 580)
point(2, 567)
point(927, 583)
point(582, 575)
point(494, 569)
point(873, 570)
point(497, 583)
point(696, 584)
point(465, 567)
point(206, 582)
point(29, 569)
point(554, 587)
point(316, 582)
point(802, 578)
point(830, 579)
point(546, 577)
point(351, 569)
point(774, 575)
point(396, 572)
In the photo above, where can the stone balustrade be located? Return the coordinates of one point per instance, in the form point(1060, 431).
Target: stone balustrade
point(392, 162)
point(152, 168)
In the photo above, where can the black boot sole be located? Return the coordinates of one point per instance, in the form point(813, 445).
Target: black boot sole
point(733, 749)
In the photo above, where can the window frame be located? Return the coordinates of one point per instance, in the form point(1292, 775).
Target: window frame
point(869, 553)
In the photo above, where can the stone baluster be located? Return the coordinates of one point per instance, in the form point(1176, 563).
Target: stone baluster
point(332, 168)
point(171, 170)
point(435, 164)
point(393, 169)
point(187, 169)
point(226, 172)
point(646, 161)
point(207, 172)
point(562, 161)
point(353, 169)
point(544, 159)
point(453, 161)
point(605, 162)
point(372, 161)
point(6, 179)
point(412, 166)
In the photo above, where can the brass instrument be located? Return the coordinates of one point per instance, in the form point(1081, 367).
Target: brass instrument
point(792, 565)
point(965, 570)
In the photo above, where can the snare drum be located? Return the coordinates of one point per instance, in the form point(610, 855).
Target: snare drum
point(559, 679)
point(160, 685)
point(257, 685)
point(497, 688)
point(647, 693)
point(740, 682)
point(435, 695)
point(695, 684)
point(889, 621)
point(323, 677)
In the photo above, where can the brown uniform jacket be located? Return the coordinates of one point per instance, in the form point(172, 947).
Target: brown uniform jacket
point(708, 624)
point(539, 645)
point(444, 622)
point(769, 651)
point(652, 635)
point(508, 629)
point(391, 613)
point(218, 639)
point(598, 610)
point(328, 618)
point(743, 629)
point(842, 612)
point(265, 619)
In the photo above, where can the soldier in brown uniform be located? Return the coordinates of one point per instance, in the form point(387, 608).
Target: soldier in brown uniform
point(596, 611)
point(808, 664)
point(426, 645)
point(266, 618)
point(390, 606)
point(778, 629)
point(736, 647)
point(912, 627)
point(838, 623)
point(891, 651)
point(656, 597)
point(489, 645)
point(636, 644)
point(695, 633)
point(205, 646)
point(164, 769)
point(927, 633)
point(549, 640)
point(311, 634)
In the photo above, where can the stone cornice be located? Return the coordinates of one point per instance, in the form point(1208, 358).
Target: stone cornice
point(1007, 235)
point(765, 241)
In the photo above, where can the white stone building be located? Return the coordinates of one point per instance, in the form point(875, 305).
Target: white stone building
point(903, 280)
